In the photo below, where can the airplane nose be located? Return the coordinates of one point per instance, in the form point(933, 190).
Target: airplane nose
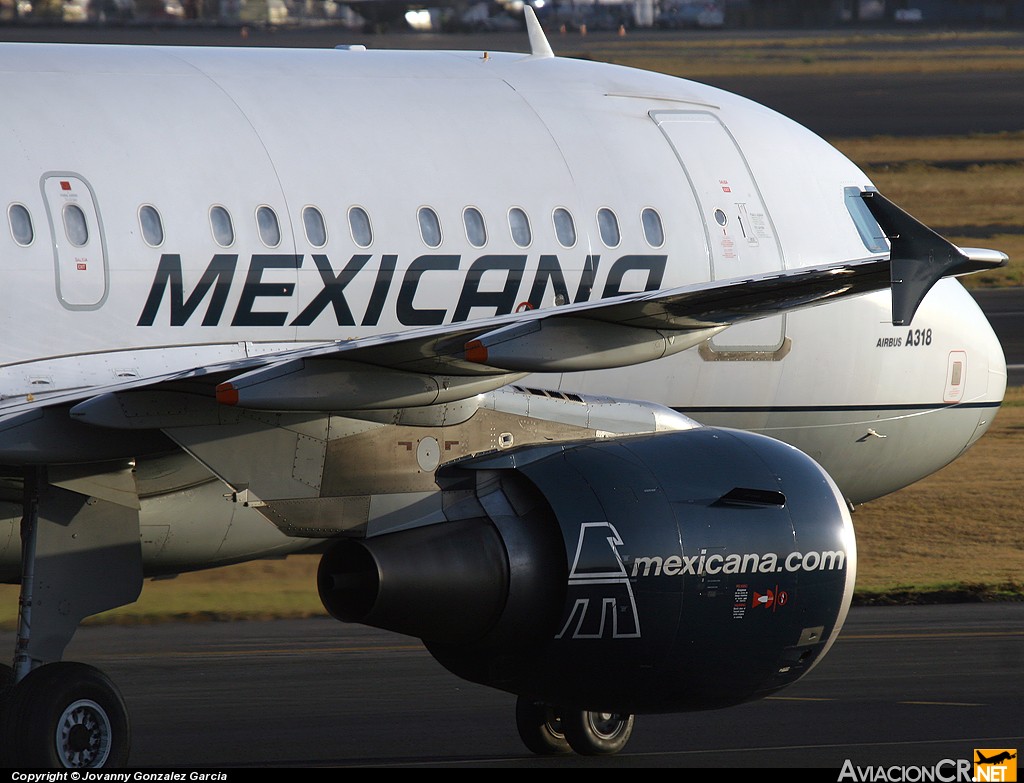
point(940, 383)
point(984, 360)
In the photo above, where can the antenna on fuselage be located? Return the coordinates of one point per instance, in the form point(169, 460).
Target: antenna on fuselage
point(539, 46)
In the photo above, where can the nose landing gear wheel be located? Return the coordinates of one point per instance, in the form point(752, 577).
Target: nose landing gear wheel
point(540, 728)
point(70, 716)
point(597, 733)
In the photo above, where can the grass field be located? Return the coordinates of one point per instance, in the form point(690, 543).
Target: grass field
point(960, 529)
point(969, 189)
point(827, 54)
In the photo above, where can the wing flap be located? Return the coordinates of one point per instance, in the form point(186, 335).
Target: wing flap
point(339, 384)
point(575, 344)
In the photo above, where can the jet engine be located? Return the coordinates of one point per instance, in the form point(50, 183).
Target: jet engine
point(657, 573)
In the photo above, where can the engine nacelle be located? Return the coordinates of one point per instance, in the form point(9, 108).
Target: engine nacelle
point(657, 573)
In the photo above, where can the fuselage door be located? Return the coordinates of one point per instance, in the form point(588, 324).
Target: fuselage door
point(79, 248)
point(737, 223)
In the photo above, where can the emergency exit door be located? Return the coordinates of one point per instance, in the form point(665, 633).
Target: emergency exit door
point(79, 250)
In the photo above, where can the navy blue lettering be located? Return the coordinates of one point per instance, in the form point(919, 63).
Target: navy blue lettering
point(504, 300)
point(587, 279)
point(381, 286)
point(254, 288)
point(407, 313)
point(653, 265)
point(168, 274)
point(333, 291)
point(548, 269)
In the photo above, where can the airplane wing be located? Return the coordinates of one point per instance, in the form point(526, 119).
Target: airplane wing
point(439, 364)
point(445, 363)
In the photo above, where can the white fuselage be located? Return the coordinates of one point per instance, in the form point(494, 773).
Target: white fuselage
point(126, 162)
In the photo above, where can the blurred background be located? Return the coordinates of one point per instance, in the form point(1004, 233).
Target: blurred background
point(372, 16)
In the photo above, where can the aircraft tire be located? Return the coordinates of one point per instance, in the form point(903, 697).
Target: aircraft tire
point(69, 715)
point(540, 728)
point(597, 733)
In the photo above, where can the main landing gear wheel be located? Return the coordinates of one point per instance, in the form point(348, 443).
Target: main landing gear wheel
point(540, 728)
point(597, 733)
point(68, 715)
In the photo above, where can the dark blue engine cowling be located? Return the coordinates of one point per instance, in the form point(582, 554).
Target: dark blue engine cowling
point(665, 572)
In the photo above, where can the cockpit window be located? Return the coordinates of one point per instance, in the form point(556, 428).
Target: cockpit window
point(870, 232)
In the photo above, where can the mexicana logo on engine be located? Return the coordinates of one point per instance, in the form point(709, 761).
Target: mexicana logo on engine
point(599, 588)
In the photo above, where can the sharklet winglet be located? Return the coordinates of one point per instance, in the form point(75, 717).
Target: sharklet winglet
point(920, 257)
point(539, 46)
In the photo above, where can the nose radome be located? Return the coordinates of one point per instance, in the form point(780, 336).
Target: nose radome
point(987, 372)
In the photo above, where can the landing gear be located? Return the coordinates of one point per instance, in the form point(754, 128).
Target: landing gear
point(80, 555)
point(540, 728)
point(597, 733)
point(549, 731)
point(67, 715)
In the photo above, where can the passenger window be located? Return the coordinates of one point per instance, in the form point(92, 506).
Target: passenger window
point(266, 223)
point(220, 224)
point(609, 226)
point(359, 224)
point(653, 231)
point(430, 227)
point(21, 224)
point(565, 228)
point(316, 229)
point(519, 225)
point(75, 226)
point(152, 226)
point(476, 231)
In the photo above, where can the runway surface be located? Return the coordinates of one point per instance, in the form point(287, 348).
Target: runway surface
point(903, 685)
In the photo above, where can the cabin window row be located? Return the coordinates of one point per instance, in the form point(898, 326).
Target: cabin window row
point(521, 230)
point(315, 227)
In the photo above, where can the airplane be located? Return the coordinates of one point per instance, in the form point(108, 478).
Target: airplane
point(559, 364)
point(1004, 756)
